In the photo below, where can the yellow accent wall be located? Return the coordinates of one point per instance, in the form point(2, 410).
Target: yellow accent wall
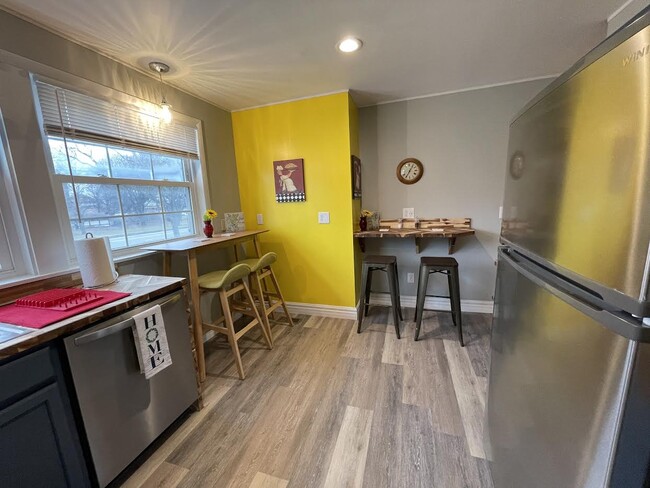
point(316, 262)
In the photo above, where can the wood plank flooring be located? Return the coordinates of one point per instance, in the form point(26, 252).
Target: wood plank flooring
point(328, 407)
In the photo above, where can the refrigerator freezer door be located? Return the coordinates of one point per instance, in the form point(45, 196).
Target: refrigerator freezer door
point(557, 386)
point(578, 176)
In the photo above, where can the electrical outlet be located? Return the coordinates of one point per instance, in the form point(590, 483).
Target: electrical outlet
point(323, 217)
point(260, 219)
point(408, 213)
point(410, 277)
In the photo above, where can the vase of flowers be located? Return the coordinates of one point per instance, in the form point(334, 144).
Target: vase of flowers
point(363, 220)
point(209, 214)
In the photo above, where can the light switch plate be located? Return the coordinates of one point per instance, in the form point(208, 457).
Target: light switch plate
point(410, 277)
point(408, 213)
point(501, 212)
point(323, 217)
point(260, 219)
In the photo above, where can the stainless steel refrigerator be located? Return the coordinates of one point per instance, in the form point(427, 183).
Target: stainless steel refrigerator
point(569, 389)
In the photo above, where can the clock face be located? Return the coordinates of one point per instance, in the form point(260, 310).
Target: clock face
point(409, 171)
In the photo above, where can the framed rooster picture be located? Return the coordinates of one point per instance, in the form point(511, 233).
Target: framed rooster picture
point(289, 176)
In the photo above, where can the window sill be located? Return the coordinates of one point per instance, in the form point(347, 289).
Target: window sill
point(12, 281)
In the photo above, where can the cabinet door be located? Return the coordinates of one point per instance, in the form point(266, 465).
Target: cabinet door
point(37, 448)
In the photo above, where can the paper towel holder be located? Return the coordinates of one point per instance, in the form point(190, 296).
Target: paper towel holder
point(116, 275)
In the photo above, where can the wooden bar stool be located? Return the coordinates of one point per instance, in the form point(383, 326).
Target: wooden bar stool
point(226, 283)
point(260, 271)
point(388, 265)
point(447, 266)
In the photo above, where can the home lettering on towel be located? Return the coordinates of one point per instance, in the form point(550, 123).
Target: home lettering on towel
point(151, 341)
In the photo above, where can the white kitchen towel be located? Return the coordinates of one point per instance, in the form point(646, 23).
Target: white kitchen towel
point(151, 341)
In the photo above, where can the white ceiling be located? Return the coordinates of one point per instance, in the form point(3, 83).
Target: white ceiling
point(243, 53)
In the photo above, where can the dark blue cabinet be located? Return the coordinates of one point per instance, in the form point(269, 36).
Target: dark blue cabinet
point(39, 444)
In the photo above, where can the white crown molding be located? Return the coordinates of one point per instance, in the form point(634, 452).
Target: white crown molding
point(334, 311)
point(618, 10)
point(463, 90)
point(432, 303)
point(307, 97)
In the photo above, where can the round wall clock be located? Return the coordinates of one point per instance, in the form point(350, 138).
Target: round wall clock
point(409, 171)
point(517, 165)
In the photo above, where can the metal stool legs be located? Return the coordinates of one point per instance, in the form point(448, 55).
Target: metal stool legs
point(454, 297)
point(366, 284)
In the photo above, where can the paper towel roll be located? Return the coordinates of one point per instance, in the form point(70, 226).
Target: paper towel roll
point(95, 261)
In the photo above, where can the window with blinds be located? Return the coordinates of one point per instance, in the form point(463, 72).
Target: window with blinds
point(118, 171)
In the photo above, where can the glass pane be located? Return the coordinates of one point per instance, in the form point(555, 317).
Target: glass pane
point(179, 224)
point(176, 199)
point(130, 164)
point(168, 168)
point(140, 199)
point(100, 227)
point(97, 200)
point(69, 201)
point(144, 229)
point(85, 159)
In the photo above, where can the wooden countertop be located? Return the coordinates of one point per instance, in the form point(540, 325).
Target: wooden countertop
point(449, 233)
point(199, 242)
point(142, 289)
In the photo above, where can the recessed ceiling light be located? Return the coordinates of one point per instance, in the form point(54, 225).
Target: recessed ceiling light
point(349, 45)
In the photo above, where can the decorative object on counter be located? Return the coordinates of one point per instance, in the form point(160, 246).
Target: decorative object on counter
point(95, 261)
point(409, 171)
point(373, 221)
point(356, 177)
point(45, 308)
point(363, 219)
point(234, 221)
point(289, 177)
point(209, 214)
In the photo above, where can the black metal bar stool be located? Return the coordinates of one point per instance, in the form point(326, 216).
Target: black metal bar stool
point(446, 266)
point(386, 264)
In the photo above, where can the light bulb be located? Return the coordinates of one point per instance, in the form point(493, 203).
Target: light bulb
point(349, 45)
point(165, 112)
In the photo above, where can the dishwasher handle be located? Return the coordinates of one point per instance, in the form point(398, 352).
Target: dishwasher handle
point(115, 328)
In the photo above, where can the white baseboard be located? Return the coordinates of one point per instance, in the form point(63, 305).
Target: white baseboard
point(334, 311)
point(479, 306)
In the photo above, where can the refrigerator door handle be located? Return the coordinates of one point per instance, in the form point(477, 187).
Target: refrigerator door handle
point(628, 327)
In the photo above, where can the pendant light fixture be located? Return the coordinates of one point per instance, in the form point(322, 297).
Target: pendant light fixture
point(165, 108)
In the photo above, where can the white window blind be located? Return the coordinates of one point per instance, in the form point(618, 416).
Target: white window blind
point(77, 116)
point(118, 171)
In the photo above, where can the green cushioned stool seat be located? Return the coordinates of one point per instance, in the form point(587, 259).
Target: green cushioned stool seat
point(258, 263)
point(224, 277)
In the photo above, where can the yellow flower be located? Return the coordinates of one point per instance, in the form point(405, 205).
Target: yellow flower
point(209, 215)
point(367, 213)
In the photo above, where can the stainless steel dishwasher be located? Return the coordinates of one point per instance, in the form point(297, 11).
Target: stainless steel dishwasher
point(123, 412)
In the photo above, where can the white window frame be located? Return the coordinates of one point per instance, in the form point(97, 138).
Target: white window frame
point(14, 238)
point(198, 170)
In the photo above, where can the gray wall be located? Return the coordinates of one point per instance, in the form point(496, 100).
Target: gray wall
point(461, 140)
point(26, 48)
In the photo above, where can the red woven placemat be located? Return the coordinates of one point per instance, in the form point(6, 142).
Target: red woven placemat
point(37, 318)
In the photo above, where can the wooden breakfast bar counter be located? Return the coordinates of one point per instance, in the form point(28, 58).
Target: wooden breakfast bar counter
point(417, 234)
point(418, 229)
